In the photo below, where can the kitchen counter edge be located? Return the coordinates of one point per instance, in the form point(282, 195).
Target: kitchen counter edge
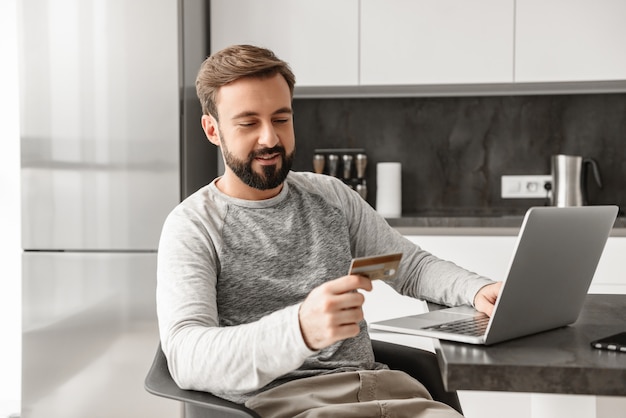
point(479, 226)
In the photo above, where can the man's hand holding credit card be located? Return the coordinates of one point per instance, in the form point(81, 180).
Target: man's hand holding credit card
point(333, 311)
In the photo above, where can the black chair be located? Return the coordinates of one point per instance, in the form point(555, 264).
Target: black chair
point(420, 364)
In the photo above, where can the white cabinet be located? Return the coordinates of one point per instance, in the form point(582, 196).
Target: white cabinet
point(570, 40)
point(489, 256)
point(375, 42)
point(436, 41)
point(361, 44)
point(319, 39)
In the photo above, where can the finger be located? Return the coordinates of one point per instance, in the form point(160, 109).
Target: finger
point(348, 284)
point(349, 316)
point(365, 283)
point(485, 303)
point(487, 308)
point(345, 301)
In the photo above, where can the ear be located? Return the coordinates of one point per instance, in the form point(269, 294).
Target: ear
point(211, 129)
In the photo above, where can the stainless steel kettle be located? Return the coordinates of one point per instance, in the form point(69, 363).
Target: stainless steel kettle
point(569, 179)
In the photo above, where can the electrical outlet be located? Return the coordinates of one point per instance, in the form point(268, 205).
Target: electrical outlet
point(525, 187)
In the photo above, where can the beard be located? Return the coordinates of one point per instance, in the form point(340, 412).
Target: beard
point(270, 177)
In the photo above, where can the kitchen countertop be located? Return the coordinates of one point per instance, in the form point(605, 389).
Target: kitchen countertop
point(477, 223)
point(557, 361)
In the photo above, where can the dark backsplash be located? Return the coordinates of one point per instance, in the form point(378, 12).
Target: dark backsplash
point(454, 150)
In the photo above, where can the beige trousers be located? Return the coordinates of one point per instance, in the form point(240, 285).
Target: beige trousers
point(375, 394)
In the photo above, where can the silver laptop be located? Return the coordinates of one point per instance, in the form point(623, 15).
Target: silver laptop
point(555, 258)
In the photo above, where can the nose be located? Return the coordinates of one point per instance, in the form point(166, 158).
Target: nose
point(268, 137)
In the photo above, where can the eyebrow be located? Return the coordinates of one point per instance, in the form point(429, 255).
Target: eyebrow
point(247, 113)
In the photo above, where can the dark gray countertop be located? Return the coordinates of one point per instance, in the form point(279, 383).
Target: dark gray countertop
point(558, 361)
point(485, 223)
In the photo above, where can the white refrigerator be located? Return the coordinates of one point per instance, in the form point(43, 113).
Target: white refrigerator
point(106, 94)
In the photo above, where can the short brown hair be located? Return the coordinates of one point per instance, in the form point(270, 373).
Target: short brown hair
point(233, 63)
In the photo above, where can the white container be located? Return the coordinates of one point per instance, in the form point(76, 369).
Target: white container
point(389, 189)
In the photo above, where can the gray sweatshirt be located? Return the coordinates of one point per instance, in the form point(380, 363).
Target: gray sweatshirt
point(232, 274)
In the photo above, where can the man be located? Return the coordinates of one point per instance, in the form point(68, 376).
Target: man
point(253, 299)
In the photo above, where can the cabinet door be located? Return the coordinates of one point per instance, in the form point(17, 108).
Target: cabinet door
point(436, 41)
point(610, 276)
point(319, 39)
point(489, 256)
point(570, 40)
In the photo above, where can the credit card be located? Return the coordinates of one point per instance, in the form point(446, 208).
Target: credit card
point(378, 267)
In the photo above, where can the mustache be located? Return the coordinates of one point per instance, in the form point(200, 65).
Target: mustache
point(268, 151)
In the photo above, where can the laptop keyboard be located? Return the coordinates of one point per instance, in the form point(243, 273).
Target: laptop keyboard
point(475, 326)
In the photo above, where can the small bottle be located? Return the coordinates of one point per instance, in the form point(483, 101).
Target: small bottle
point(333, 164)
point(318, 163)
point(347, 166)
point(361, 165)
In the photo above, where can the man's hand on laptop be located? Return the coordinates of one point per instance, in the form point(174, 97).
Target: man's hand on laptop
point(485, 298)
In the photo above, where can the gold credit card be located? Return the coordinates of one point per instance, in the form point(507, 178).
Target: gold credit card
point(378, 267)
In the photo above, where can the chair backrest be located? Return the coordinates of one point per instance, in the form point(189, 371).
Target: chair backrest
point(197, 404)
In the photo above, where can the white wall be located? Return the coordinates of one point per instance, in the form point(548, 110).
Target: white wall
point(10, 248)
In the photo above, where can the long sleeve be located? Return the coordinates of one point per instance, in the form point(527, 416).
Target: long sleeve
point(421, 275)
point(203, 355)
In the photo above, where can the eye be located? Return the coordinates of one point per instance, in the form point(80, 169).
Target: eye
point(282, 120)
point(246, 124)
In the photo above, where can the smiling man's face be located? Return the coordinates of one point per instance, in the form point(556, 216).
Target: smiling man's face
point(255, 132)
